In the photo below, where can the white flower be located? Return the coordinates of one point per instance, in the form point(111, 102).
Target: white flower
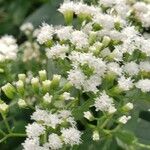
point(140, 7)
point(34, 130)
point(64, 33)
point(31, 51)
point(76, 77)
point(145, 66)
point(107, 3)
point(125, 84)
point(85, 10)
point(27, 28)
point(67, 96)
point(57, 51)
point(47, 98)
point(65, 114)
point(67, 6)
point(92, 83)
point(114, 67)
point(80, 39)
point(45, 34)
point(32, 144)
point(54, 141)
point(131, 68)
point(124, 119)
point(47, 118)
point(144, 85)
point(107, 21)
point(104, 103)
point(8, 48)
point(71, 136)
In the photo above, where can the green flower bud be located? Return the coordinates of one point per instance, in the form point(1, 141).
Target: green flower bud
point(106, 40)
point(35, 84)
point(68, 15)
point(96, 136)
point(88, 116)
point(22, 77)
point(20, 87)
point(47, 98)
point(92, 37)
point(67, 86)
point(46, 85)
point(9, 90)
point(55, 81)
point(97, 27)
point(3, 108)
point(22, 103)
point(127, 107)
point(1, 70)
point(42, 75)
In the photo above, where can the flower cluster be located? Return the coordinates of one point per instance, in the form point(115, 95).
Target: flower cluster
point(8, 48)
point(93, 74)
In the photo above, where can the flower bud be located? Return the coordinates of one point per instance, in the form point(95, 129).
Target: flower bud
point(68, 15)
point(106, 40)
point(127, 107)
point(3, 107)
point(124, 119)
point(67, 86)
point(20, 87)
point(47, 98)
point(111, 110)
point(92, 37)
point(66, 96)
point(35, 84)
point(22, 103)
point(55, 81)
point(46, 85)
point(42, 75)
point(96, 135)
point(88, 115)
point(22, 77)
point(97, 27)
point(9, 90)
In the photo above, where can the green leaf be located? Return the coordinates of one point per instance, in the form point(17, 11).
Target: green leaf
point(47, 13)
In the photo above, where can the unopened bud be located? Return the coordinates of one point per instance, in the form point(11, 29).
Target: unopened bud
point(96, 135)
point(42, 75)
point(47, 98)
point(128, 107)
point(46, 85)
point(55, 81)
point(22, 103)
point(106, 40)
point(9, 90)
point(35, 84)
point(124, 119)
point(68, 15)
point(3, 107)
point(20, 87)
point(67, 86)
point(22, 77)
point(88, 115)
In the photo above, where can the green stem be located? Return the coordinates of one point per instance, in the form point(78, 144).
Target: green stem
point(143, 145)
point(105, 122)
point(2, 132)
point(12, 135)
point(6, 123)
